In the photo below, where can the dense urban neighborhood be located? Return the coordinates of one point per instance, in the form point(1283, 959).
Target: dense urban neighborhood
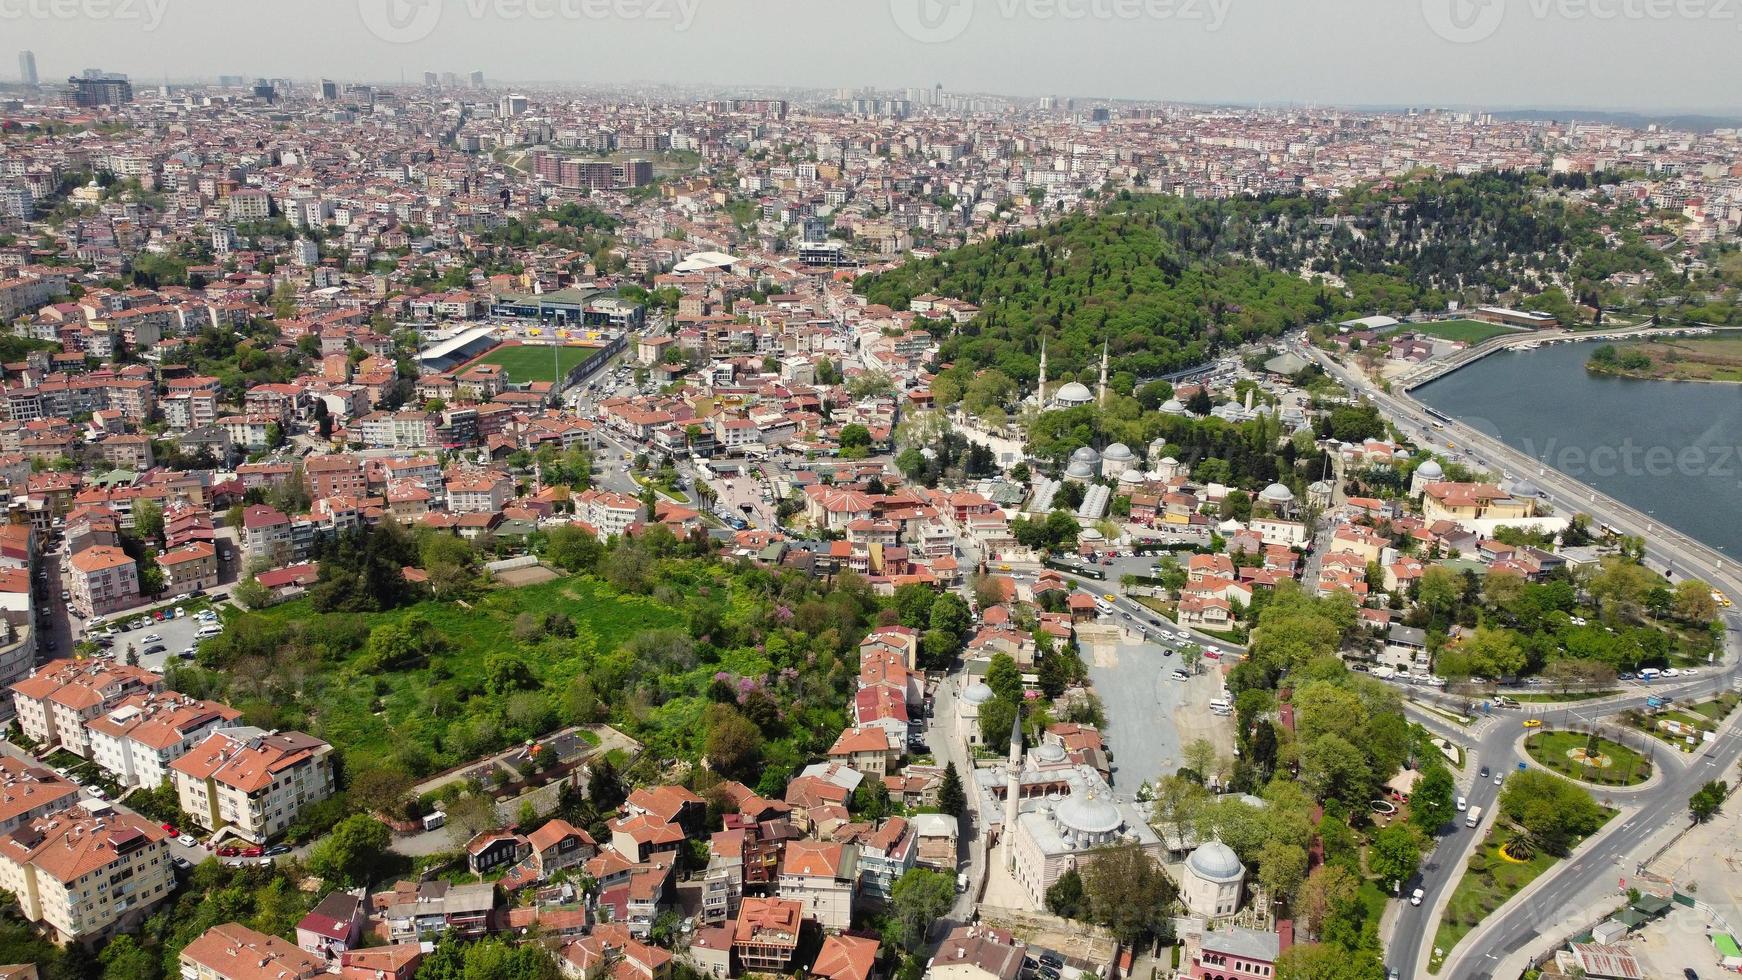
point(457, 530)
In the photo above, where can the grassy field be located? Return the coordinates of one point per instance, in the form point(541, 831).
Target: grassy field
point(1691, 359)
point(1550, 750)
point(370, 716)
point(526, 364)
point(1460, 331)
point(1486, 885)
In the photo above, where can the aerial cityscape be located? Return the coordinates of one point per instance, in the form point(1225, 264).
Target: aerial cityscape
point(650, 515)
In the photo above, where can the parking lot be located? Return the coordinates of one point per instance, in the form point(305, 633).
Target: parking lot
point(160, 642)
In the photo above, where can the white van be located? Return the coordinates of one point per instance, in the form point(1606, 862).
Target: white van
point(1474, 817)
point(1649, 673)
point(209, 630)
point(1221, 704)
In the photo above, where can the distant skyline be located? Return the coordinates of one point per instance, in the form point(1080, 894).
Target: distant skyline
point(1549, 54)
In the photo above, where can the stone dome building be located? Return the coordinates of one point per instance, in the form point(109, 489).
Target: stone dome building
point(1213, 881)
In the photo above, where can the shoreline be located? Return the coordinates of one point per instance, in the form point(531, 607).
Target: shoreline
point(1631, 376)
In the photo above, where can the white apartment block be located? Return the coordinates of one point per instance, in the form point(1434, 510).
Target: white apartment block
point(138, 739)
point(55, 705)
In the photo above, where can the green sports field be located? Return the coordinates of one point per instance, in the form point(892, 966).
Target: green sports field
point(1460, 331)
point(526, 364)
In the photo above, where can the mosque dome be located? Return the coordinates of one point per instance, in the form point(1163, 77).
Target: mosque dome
point(1089, 814)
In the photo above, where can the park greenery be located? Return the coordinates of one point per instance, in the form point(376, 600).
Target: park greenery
point(1165, 281)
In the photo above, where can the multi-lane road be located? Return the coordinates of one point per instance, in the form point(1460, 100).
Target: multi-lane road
point(1665, 802)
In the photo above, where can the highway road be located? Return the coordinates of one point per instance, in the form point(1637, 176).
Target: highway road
point(1667, 550)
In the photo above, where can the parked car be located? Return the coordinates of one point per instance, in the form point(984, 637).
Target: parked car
point(187, 840)
point(169, 829)
point(252, 852)
point(277, 849)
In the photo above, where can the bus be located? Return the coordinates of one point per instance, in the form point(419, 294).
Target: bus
point(1072, 568)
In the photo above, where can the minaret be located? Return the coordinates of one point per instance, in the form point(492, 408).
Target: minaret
point(1102, 400)
point(1040, 398)
point(1013, 791)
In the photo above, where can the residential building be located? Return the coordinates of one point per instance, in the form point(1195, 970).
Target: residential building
point(766, 934)
point(102, 580)
point(252, 784)
point(233, 951)
point(87, 871)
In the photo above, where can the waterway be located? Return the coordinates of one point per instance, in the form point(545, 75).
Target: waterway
point(1670, 449)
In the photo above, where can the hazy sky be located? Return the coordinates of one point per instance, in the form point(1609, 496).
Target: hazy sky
point(1662, 54)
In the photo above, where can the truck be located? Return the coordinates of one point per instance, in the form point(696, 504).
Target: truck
point(434, 820)
point(1474, 817)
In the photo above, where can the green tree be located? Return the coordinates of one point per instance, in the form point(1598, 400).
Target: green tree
point(919, 897)
point(734, 743)
point(1130, 895)
point(148, 519)
point(952, 799)
point(1322, 961)
point(1708, 800)
point(349, 855)
point(1004, 678)
point(1433, 802)
point(1395, 854)
point(1282, 867)
point(251, 595)
point(1065, 898)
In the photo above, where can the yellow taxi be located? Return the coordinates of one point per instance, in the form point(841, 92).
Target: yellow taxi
point(1110, 597)
point(1533, 723)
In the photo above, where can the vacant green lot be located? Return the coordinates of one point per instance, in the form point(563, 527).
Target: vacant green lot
point(1487, 883)
point(526, 364)
point(375, 714)
point(1460, 331)
point(1627, 768)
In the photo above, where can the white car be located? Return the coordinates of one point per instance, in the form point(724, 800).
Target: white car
point(188, 840)
point(1670, 672)
point(1463, 804)
point(152, 638)
point(1416, 898)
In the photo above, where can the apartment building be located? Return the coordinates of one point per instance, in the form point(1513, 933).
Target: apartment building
point(479, 493)
point(86, 871)
point(189, 569)
point(102, 580)
point(266, 534)
point(138, 738)
point(251, 784)
point(55, 704)
point(823, 878)
point(766, 935)
point(29, 792)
